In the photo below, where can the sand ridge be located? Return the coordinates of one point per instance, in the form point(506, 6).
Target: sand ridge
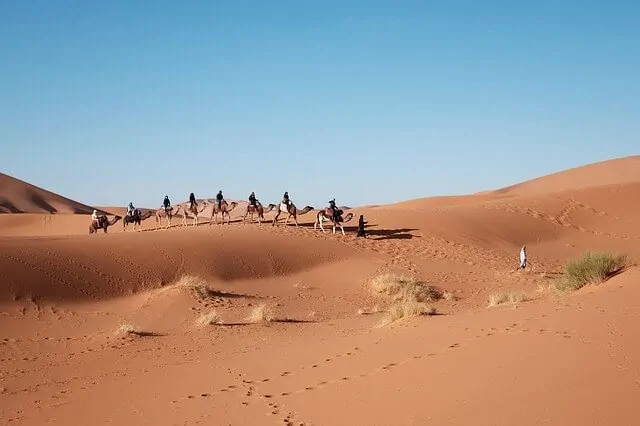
point(66, 299)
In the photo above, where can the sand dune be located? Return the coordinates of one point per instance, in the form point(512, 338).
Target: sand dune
point(17, 196)
point(67, 299)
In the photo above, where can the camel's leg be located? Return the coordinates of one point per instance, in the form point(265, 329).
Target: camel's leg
point(275, 219)
point(342, 228)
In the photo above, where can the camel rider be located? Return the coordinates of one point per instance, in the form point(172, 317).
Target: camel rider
point(334, 209)
point(252, 199)
point(219, 198)
point(95, 217)
point(131, 209)
point(285, 198)
point(166, 203)
point(192, 201)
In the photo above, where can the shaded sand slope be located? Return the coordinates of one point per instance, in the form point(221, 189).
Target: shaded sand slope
point(17, 196)
point(83, 268)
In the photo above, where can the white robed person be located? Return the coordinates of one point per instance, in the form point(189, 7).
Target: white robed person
point(523, 257)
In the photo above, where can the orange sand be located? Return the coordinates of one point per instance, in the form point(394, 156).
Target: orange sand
point(569, 360)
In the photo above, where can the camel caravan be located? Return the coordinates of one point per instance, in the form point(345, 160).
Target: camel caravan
point(193, 208)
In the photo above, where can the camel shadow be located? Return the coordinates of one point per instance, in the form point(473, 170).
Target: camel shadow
point(224, 294)
point(390, 234)
point(147, 334)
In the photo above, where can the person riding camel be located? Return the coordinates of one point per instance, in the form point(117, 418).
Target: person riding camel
point(192, 201)
point(95, 217)
point(285, 198)
point(252, 199)
point(131, 210)
point(166, 204)
point(219, 198)
point(334, 209)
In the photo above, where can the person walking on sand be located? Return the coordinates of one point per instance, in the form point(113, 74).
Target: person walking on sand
point(523, 257)
point(361, 224)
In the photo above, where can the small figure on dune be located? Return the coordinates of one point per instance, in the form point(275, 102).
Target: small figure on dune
point(166, 203)
point(334, 209)
point(97, 218)
point(219, 198)
point(361, 224)
point(285, 198)
point(523, 257)
point(192, 201)
point(252, 199)
point(131, 210)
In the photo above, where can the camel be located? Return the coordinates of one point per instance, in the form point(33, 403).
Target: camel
point(161, 212)
point(192, 210)
point(103, 223)
point(291, 210)
point(137, 219)
point(258, 209)
point(326, 214)
point(224, 208)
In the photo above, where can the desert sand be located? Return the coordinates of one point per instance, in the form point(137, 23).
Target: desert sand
point(114, 328)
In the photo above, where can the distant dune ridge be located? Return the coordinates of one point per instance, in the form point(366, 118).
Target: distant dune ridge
point(609, 172)
point(17, 196)
point(250, 324)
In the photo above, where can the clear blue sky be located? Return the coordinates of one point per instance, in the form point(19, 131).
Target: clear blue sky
point(369, 101)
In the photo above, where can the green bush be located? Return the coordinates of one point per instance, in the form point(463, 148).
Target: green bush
point(591, 268)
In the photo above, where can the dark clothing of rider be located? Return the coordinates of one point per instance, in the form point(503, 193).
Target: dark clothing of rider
point(166, 203)
point(219, 198)
point(252, 199)
point(285, 198)
point(334, 209)
point(192, 200)
point(361, 231)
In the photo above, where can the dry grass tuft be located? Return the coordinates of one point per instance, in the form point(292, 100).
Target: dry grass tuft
point(190, 283)
point(211, 318)
point(128, 329)
point(507, 297)
point(591, 268)
point(261, 313)
point(401, 287)
point(405, 308)
point(409, 297)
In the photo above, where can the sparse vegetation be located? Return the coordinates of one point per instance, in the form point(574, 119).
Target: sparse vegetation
point(189, 283)
point(211, 318)
point(405, 308)
point(409, 297)
point(591, 268)
point(401, 287)
point(128, 329)
point(261, 313)
point(502, 297)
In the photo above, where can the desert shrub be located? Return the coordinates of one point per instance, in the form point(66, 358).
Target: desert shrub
point(591, 268)
point(261, 313)
point(405, 308)
point(211, 318)
point(409, 297)
point(401, 287)
point(507, 297)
